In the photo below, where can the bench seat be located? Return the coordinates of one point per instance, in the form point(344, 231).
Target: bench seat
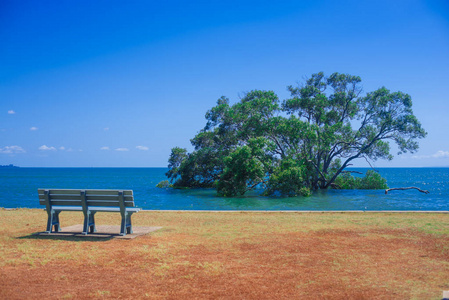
point(94, 208)
point(67, 208)
point(89, 202)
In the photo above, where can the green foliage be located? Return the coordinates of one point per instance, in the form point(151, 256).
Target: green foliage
point(371, 181)
point(198, 169)
point(163, 184)
point(299, 145)
point(287, 179)
point(243, 171)
point(346, 181)
point(305, 192)
point(174, 162)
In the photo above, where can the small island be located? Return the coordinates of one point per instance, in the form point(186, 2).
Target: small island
point(8, 166)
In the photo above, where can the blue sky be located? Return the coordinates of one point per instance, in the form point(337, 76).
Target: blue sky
point(119, 83)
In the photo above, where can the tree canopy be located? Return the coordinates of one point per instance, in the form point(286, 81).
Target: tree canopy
point(304, 143)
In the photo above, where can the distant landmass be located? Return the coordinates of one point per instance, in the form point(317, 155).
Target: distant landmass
point(8, 166)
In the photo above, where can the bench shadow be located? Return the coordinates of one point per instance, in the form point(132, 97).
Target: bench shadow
point(103, 233)
point(68, 236)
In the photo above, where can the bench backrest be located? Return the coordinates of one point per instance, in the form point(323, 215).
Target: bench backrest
point(85, 198)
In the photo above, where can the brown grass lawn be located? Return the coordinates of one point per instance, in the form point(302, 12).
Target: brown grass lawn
point(225, 255)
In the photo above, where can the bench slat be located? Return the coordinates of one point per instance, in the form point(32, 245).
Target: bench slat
point(108, 192)
point(94, 208)
point(109, 203)
point(65, 203)
point(62, 197)
point(113, 209)
point(90, 203)
point(67, 208)
point(110, 198)
point(88, 198)
point(67, 192)
point(88, 192)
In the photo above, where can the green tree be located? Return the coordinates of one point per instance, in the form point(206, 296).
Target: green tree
point(288, 179)
point(371, 181)
point(244, 169)
point(301, 144)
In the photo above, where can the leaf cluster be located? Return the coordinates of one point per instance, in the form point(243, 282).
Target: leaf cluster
point(371, 181)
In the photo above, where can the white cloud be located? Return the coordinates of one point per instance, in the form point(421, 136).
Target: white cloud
point(46, 148)
point(33, 128)
point(11, 149)
point(420, 156)
point(143, 148)
point(438, 154)
point(11, 112)
point(122, 149)
point(441, 154)
point(106, 128)
point(104, 148)
point(62, 148)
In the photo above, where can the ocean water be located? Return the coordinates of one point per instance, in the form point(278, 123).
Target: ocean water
point(18, 188)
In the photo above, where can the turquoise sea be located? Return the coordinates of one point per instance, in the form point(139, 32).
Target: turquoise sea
point(18, 188)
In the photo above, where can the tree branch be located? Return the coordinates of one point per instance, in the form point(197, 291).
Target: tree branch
point(350, 172)
point(317, 168)
point(407, 188)
point(335, 186)
point(279, 146)
point(369, 163)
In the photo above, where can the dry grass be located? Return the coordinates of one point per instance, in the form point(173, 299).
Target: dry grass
point(205, 255)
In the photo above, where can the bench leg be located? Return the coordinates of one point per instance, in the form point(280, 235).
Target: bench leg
point(53, 220)
point(126, 225)
point(123, 224)
point(129, 226)
point(49, 222)
point(85, 224)
point(89, 223)
point(92, 227)
point(57, 225)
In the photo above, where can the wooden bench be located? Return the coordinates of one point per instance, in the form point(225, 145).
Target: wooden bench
point(89, 202)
